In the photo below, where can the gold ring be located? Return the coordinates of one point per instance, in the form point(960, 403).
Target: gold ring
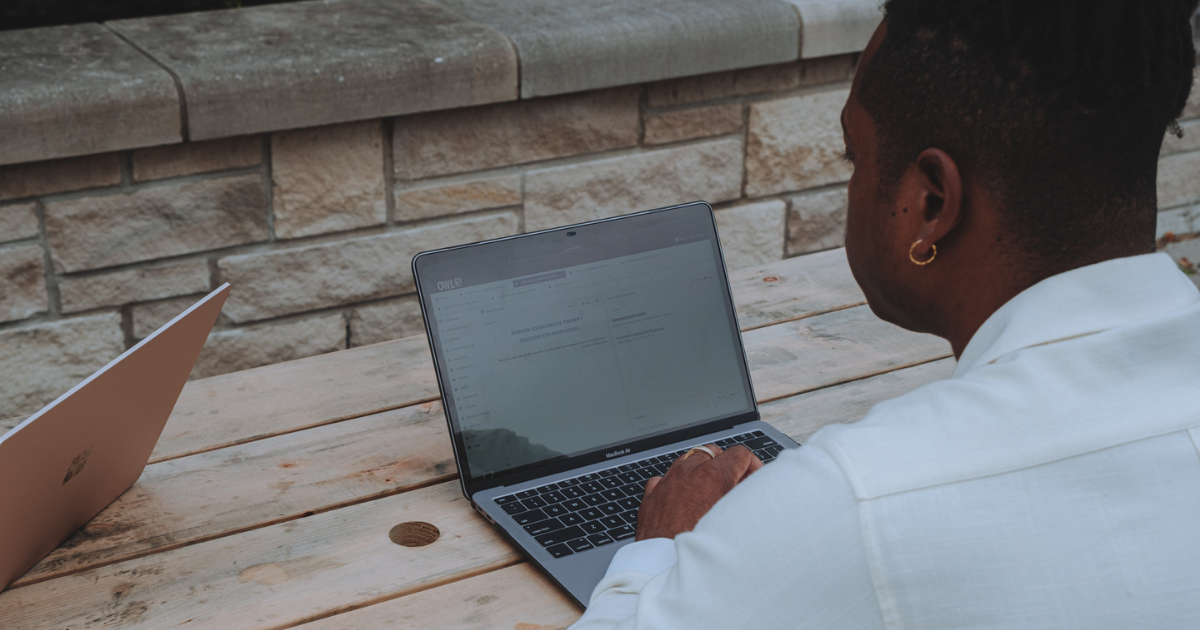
point(701, 449)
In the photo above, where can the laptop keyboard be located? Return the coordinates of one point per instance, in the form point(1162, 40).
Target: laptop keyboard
point(599, 508)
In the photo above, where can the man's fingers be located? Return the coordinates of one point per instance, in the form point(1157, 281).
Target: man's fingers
point(740, 461)
point(650, 483)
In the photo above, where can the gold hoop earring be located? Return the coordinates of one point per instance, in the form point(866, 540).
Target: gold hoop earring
point(921, 262)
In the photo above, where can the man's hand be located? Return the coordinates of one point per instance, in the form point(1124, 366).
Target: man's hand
point(674, 503)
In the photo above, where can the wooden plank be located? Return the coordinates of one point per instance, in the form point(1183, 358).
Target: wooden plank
point(797, 356)
point(794, 289)
point(254, 404)
point(279, 478)
point(262, 402)
point(273, 577)
point(213, 494)
point(518, 597)
point(801, 416)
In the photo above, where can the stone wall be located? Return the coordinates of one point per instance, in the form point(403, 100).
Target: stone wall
point(315, 226)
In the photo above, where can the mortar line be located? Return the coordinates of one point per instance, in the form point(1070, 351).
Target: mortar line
point(183, 112)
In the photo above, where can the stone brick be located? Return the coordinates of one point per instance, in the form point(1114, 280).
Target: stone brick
point(817, 221)
point(253, 346)
point(425, 202)
point(796, 143)
point(1178, 221)
point(302, 279)
point(761, 80)
point(711, 171)
point(133, 285)
point(752, 234)
point(190, 158)
point(1179, 179)
point(22, 282)
point(150, 316)
point(385, 321)
point(687, 124)
point(480, 138)
point(157, 222)
point(18, 222)
point(41, 362)
point(1192, 108)
point(55, 176)
point(1189, 142)
point(328, 179)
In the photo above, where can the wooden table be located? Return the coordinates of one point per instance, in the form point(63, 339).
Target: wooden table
point(268, 501)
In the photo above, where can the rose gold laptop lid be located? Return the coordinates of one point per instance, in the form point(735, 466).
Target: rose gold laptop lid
point(65, 463)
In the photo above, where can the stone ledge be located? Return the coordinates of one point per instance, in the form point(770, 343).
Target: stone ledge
point(76, 90)
point(84, 89)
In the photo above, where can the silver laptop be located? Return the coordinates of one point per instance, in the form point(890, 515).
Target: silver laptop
point(65, 463)
point(578, 362)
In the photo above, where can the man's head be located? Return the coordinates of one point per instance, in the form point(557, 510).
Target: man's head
point(1039, 121)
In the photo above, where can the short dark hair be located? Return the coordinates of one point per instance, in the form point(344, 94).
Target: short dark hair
point(1058, 106)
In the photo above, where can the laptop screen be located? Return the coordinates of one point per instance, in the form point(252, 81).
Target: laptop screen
point(561, 343)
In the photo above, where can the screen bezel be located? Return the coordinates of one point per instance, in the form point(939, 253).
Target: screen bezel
point(580, 231)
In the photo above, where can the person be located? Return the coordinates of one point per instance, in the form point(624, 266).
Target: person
point(1003, 198)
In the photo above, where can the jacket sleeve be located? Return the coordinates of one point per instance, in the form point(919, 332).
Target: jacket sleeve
point(782, 550)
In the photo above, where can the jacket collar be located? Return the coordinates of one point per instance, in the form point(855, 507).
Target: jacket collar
point(1080, 302)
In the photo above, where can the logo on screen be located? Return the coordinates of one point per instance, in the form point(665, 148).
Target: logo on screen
point(446, 285)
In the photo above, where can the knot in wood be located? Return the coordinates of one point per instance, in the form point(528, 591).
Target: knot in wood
point(771, 279)
point(414, 534)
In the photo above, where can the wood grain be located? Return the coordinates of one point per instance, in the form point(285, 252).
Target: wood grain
point(245, 406)
point(217, 493)
point(259, 403)
point(801, 416)
point(251, 485)
point(518, 597)
point(797, 356)
point(793, 289)
point(274, 577)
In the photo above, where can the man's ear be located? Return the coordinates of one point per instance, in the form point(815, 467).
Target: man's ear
point(940, 193)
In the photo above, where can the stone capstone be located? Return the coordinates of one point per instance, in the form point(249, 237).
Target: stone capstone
point(574, 46)
point(42, 361)
point(328, 179)
point(480, 138)
point(425, 202)
point(795, 143)
point(18, 222)
point(817, 221)
point(156, 222)
point(190, 158)
point(777, 78)
point(78, 90)
point(385, 321)
point(304, 64)
point(55, 176)
point(142, 284)
point(295, 280)
point(238, 349)
point(751, 234)
point(835, 27)
point(688, 124)
point(22, 282)
point(709, 171)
